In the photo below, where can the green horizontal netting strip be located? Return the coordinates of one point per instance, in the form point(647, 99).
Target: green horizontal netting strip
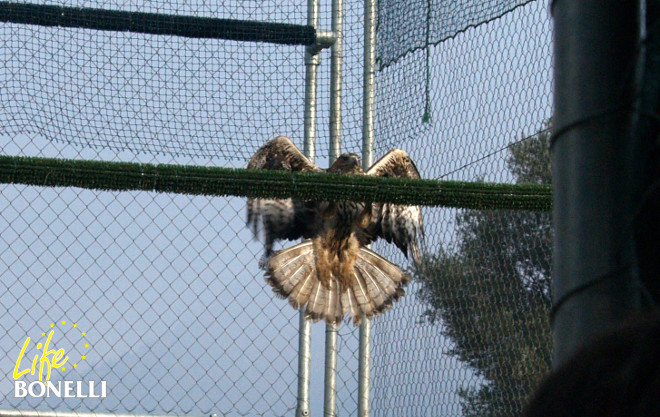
point(157, 24)
point(194, 180)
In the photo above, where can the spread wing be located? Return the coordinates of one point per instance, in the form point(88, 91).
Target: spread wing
point(402, 225)
point(281, 153)
point(287, 218)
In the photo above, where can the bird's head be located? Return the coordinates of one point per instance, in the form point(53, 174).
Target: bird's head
point(347, 163)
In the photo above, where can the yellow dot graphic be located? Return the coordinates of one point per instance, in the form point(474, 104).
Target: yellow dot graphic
point(52, 331)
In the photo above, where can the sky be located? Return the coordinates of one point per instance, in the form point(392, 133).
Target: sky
point(166, 287)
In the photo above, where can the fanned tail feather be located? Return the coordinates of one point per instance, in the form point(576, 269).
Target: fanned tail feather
point(333, 310)
point(300, 294)
point(290, 270)
point(389, 276)
point(378, 283)
point(350, 306)
point(316, 304)
point(375, 284)
point(376, 295)
point(359, 288)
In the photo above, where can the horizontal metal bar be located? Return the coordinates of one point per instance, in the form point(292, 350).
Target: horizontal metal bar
point(256, 183)
point(158, 24)
point(37, 413)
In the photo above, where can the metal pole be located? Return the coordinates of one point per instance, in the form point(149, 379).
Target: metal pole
point(336, 59)
point(647, 228)
point(368, 93)
point(364, 367)
point(369, 83)
point(330, 382)
point(304, 359)
point(595, 283)
point(312, 61)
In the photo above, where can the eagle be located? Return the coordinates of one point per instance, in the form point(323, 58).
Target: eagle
point(332, 272)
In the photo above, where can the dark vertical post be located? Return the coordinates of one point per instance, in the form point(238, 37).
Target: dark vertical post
point(647, 225)
point(594, 156)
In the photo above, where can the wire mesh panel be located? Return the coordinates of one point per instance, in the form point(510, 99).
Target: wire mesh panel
point(472, 336)
point(161, 296)
point(153, 94)
point(170, 328)
point(168, 303)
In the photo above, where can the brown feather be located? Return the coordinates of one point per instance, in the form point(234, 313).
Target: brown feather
point(374, 291)
point(332, 313)
point(362, 295)
point(289, 270)
point(384, 280)
point(282, 154)
point(282, 218)
point(350, 305)
point(333, 274)
point(317, 301)
point(400, 224)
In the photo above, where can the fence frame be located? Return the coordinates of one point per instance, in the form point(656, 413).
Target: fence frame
point(315, 41)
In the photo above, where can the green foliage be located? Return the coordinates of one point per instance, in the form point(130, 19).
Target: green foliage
point(491, 292)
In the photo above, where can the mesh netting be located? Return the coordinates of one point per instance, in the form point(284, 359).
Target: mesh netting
point(411, 25)
point(463, 108)
point(149, 94)
point(167, 287)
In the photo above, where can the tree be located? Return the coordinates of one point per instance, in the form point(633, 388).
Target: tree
point(491, 292)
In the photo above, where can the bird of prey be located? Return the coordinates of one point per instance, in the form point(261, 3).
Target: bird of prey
point(332, 272)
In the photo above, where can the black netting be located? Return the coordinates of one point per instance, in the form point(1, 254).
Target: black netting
point(407, 26)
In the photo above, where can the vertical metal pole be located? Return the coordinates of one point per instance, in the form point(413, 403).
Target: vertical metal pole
point(369, 83)
point(364, 367)
point(304, 359)
point(368, 94)
point(647, 228)
point(336, 60)
point(312, 61)
point(330, 382)
point(595, 283)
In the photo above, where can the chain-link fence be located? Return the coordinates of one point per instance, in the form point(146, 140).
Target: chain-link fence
point(176, 315)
